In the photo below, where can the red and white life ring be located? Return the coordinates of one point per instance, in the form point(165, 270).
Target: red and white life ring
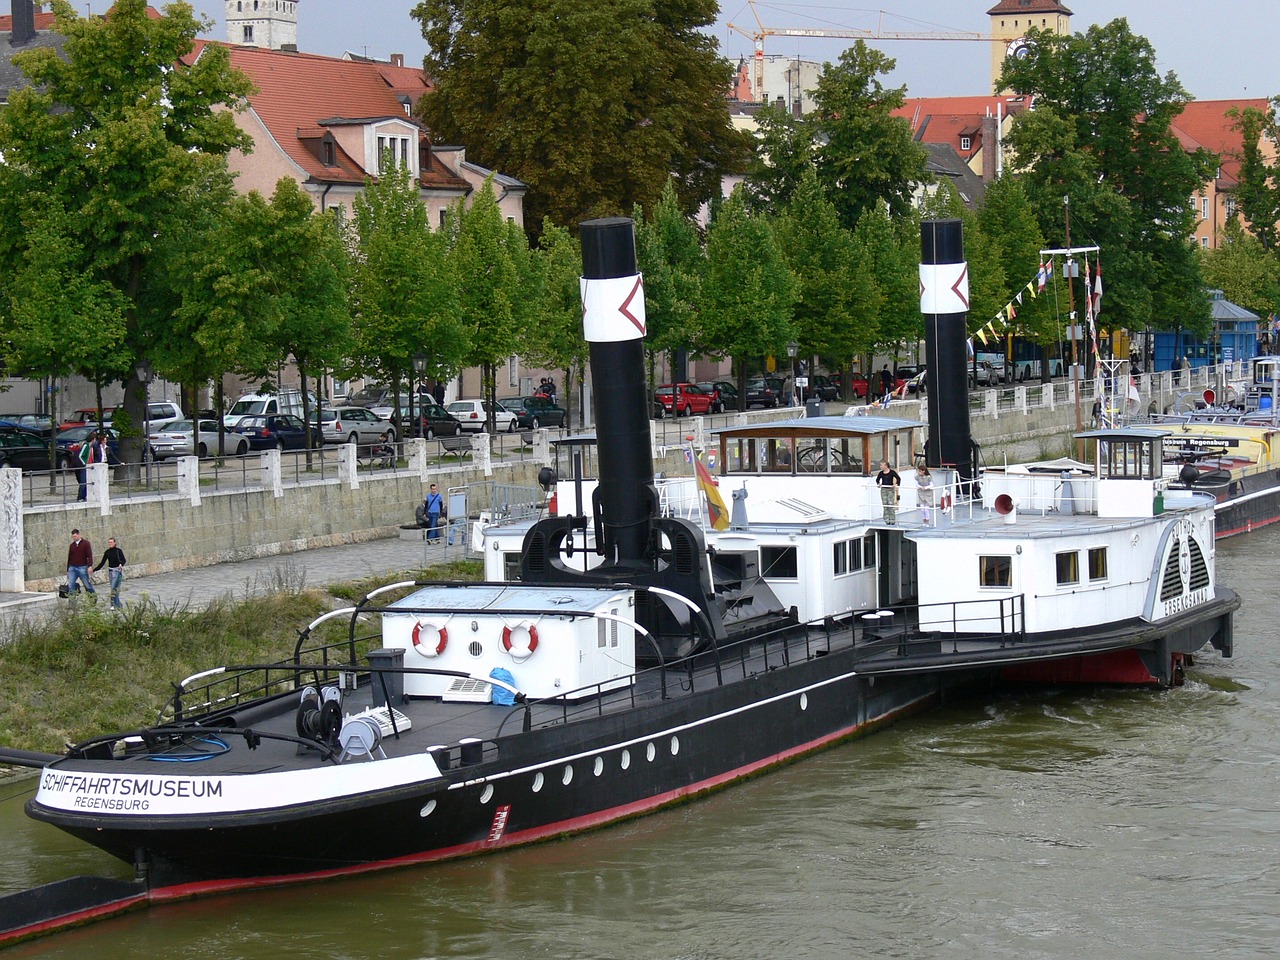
point(520, 641)
point(429, 640)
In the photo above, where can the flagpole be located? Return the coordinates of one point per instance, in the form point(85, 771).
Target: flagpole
point(1071, 312)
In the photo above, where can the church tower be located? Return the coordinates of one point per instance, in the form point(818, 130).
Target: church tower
point(272, 24)
point(1010, 21)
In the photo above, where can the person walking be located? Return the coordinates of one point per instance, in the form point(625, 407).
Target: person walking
point(434, 505)
point(924, 492)
point(114, 560)
point(886, 381)
point(79, 560)
point(888, 481)
point(93, 451)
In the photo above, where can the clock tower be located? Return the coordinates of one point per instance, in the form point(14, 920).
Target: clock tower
point(1010, 21)
point(272, 24)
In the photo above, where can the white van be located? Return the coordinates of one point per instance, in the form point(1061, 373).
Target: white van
point(260, 404)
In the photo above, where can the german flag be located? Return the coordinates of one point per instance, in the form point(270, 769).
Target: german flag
point(716, 511)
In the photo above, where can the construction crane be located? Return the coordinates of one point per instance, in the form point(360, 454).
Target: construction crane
point(848, 33)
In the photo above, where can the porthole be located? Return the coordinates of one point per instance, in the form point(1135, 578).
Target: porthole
point(428, 808)
point(675, 745)
point(568, 775)
point(537, 782)
point(804, 701)
point(488, 793)
point(475, 648)
point(650, 752)
point(599, 766)
point(625, 759)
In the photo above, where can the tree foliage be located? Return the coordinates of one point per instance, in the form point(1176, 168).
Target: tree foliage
point(1258, 185)
point(594, 105)
point(114, 144)
point(1101, 134)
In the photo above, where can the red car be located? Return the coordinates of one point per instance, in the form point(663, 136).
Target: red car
point(685, 400)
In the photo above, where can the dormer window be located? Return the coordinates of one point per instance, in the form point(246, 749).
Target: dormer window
point(966, 143)
point(328, 154)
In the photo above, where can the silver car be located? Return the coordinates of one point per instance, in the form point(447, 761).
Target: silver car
point(180, 439)
point(353, 425)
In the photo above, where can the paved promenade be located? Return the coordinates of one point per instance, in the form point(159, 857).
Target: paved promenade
point(200, 586)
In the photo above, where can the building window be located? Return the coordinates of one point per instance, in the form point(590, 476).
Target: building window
point(384, 159)
point(966, 143)
point(995, 571)
point(328, 156)
point(1068, 568)
point(1204, 242)
point(1098, 563)
point(443, 212)
point(248, 34)
point(779, 563)
point(1231, 206)
point(1204, 208)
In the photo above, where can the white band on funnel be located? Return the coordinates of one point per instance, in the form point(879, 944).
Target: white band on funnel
point(613, 309)
point(944, 288)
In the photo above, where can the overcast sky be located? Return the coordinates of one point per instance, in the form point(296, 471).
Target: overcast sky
point(1220, 50)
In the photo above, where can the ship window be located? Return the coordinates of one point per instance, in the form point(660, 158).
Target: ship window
point(1068, 567)
point(1098, 563)
point(511, 565)
point(855, 554)
point(840, 557)
point(779, 563)
point(995, 571)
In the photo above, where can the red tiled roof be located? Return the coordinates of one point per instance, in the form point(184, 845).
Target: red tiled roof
point(1205, 123)
point(300, 93)
point(44, 21)
point(1028, 7)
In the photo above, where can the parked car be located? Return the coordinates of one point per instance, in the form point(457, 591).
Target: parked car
point(719, 401)
point(76, 437)
point(534, 412)
point(985, 374)
point(261, 404)
point(474, 415)
point(765, 392)
point(371, 395)
point(908, 374)
point(281, 431)
point(686, 399)
point(820, 387)
point(438, 422)
point(26, 451)
point(181, 439)
point(38, 423)
point(159, 413)
point(352, 425)
point(728, 393)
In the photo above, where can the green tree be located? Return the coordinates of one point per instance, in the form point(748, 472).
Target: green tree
point(867, 156)
point(1102, 135)
point(1258, 186)
point(118, 137)
point(836, 302)
point(886, 252)
point(404, 293)
point(558, 342)
point(748, 293)
point(497, 286)
point(785, 150)
point(670, 257)
point(1244, 270)
point(594, 105)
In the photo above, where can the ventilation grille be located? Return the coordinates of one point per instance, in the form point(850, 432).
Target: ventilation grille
point(467, 691)
point(535, 554)
point(382, 717)
point(1171, 581)
point(1199, 569)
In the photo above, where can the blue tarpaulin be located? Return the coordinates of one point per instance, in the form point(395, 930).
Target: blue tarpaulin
point(501, 695)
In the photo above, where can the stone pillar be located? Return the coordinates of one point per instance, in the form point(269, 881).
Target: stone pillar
point(481, 452)
point(542, 446)
point(348, 460)
point(12, 551)
point(99, 486)
point(415, 449)
point(271, 476)
point(189, 479)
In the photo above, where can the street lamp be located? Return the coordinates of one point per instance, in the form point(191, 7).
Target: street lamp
point(419, 368)
point(145, 374)
point(793, 348)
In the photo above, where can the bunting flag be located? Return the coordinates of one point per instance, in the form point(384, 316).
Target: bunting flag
point(1010, 312)
point(1096, 302)
point(1042, 277)
point(716, 510)
point(981, 335)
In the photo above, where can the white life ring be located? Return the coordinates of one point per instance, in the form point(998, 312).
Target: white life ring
point(429, 640)
point(520, 641)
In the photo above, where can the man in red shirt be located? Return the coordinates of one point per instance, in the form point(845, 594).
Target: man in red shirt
point(79, 560)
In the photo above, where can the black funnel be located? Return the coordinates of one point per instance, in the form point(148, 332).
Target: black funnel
point(944, 301)
point(614, 326)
